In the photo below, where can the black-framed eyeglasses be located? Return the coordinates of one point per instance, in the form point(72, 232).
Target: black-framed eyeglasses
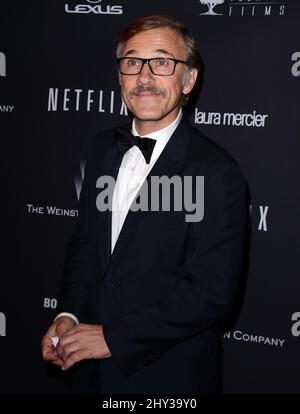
point(161, 66)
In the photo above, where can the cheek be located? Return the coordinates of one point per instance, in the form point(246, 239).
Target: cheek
point(126, 84)
point(175, 89)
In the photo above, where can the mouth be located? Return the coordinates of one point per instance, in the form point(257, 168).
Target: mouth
point(147, 95)
point(146, 92)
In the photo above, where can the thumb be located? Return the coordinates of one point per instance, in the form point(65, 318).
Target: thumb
point(63, 325)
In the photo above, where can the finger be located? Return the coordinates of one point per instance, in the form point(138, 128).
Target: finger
point(46, 341)
point(51, 332)
point(73, 359)
point(47, 345)
point(72, 331)
point(48, 353)
point(69, 337)
point(59, 362)
point(63, 343)
point(66, 348)
point(81, 327)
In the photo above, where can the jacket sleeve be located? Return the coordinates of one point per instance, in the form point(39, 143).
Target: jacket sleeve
point(77, 269)
point(205, 291)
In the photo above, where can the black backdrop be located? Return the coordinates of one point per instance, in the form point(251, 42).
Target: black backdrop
point(59, 86)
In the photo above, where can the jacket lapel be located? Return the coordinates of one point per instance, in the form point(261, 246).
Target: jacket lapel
point(109, 167)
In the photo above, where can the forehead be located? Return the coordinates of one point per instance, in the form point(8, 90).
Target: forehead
point(150, 42)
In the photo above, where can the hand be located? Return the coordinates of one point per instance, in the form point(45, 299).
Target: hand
point(61, 326)
point(82, 342)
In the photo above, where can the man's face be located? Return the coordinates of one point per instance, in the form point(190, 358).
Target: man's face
point(152, 97)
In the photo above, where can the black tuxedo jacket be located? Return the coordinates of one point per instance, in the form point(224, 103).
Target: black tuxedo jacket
point(168, 283)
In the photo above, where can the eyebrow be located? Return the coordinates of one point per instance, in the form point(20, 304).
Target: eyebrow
point(164, 52)
point(161, 51)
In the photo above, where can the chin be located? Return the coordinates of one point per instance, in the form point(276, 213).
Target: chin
point(148, 115)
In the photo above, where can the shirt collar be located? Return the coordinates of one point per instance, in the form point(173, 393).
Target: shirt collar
point(161, 137)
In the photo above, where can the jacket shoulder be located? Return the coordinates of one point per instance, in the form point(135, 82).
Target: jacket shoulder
point(106, 138)
point(205, 149)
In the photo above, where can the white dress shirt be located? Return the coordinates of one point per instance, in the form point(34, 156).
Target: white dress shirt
point(132, 173)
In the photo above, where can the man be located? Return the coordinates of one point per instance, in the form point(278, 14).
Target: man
point(143, 291)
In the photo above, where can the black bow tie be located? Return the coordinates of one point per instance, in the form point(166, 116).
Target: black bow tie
point(125, 140)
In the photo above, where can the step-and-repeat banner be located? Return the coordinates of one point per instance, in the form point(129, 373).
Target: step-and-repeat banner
point(59, 87)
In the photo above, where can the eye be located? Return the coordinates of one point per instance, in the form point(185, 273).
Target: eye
point(161, 62)
point(132, 62)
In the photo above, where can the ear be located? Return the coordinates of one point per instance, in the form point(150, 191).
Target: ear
point(120, 78)
point(191, 82)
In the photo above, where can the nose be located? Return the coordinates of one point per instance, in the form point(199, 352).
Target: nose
point(145, 75)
